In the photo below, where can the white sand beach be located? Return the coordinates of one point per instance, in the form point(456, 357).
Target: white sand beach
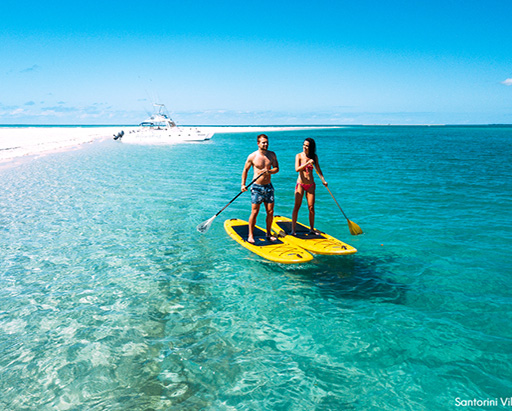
point(19, 142)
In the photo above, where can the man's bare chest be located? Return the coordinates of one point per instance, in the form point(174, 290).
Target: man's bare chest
point(262, 161)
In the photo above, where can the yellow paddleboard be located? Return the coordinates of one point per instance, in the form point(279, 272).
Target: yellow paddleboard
point(280, 251)
point(320, 243)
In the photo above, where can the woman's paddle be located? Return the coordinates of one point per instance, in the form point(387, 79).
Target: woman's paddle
point(353, 227)
point(203, 227)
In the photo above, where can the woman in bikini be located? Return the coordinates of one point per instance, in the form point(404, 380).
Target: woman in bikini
point(304, 164)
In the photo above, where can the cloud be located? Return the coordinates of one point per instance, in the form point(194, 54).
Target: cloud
point(60, 109)
point(507, 82)
point(35, 67)
point(17, 112)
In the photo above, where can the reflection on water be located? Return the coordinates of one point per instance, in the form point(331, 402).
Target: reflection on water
point(110, 299)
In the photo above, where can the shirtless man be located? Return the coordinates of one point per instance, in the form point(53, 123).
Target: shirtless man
point(263, 161)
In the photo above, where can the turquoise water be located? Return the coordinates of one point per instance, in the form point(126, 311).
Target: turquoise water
point(111, 300)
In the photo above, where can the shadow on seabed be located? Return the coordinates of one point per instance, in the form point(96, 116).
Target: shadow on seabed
point(353, 277)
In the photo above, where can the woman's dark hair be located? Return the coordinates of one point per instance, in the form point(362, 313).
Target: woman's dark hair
point(312, 148)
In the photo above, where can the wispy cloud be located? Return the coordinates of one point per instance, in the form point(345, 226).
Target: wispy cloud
point(31, 112)
point(31, 69)
point(507, 82)
point(17, 112)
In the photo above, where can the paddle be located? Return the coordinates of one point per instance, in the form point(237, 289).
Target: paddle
point(353, 227)
point(203, 227)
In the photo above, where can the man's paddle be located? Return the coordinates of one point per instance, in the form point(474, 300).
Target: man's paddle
point(203, 227)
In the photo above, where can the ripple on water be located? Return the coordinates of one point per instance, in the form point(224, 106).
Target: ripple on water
point(109, 302)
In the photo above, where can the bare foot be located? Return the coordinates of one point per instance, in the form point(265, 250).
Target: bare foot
point(250, 240)
point(271, 238)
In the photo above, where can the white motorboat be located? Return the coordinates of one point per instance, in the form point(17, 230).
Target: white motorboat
point(161, 129)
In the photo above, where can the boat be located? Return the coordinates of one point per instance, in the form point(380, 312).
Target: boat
point(159, 128)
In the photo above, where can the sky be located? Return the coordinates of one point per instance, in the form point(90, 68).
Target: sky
point(256, 62)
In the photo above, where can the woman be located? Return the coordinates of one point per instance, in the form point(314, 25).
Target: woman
point(304, 164)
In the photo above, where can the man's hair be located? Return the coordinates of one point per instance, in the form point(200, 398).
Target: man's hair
point(262, 136)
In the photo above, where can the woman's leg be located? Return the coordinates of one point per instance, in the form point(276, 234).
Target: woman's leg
point(299, 194)
point(310, 196)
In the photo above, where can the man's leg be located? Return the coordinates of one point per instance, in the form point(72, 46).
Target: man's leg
point(269, 207)
point(252, 222)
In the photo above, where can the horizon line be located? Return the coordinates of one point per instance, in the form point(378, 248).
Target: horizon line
point(268, 125)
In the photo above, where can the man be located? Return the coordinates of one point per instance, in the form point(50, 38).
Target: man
point(263, 162)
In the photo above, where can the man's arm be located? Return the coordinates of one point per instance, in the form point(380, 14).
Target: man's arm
point(245, 172)
point(274, 164)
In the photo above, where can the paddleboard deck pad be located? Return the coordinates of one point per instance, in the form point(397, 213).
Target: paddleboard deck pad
point(279, 251)
point(319, 243)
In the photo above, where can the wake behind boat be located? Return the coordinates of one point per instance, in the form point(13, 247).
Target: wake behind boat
point(161, 129)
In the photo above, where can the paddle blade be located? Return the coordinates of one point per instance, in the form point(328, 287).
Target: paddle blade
point(354, 228)
point(204, 226)
point(280, 234)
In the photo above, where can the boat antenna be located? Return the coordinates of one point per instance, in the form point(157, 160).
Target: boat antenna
point(161, 107)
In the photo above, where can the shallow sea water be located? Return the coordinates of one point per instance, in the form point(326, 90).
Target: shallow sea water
point(110, 299)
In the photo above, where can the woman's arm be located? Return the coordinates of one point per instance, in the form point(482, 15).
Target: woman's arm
point(298, 166)
point(319, 171)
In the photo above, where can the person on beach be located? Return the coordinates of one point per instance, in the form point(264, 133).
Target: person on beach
point(264, 163)
point(304, 164)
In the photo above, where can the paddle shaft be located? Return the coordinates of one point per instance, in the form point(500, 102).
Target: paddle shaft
point(336, 202)
point(333, 197)
point(239, 194)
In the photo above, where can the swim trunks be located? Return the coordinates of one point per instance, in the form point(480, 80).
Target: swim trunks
point(262, 193)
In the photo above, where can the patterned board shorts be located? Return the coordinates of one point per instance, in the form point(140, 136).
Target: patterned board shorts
point(262, 193)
